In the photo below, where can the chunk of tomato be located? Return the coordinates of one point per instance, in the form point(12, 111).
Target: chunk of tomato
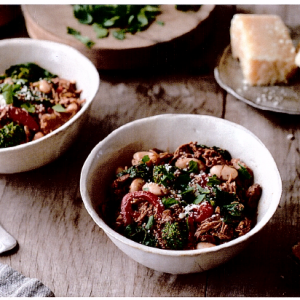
point(126, 205)
point(22, 117)
point(202, 211)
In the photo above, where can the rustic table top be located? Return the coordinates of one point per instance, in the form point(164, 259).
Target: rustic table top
point(59, 243)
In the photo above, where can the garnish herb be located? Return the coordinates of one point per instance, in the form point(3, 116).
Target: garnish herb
point(232, 212)
point(163, 174)
point(28, 106)
point(101, 32)
point(145, 159)
point(213, 180)
point(200, 198)
point(29, 71)
point(244, 172)
point(59, 108)
point(224, 153)
point(193, 167)
point(168, 202)
point(124, 18)
point(141, 170)
point(8, 92)
point(84, 39)
point(150, 223)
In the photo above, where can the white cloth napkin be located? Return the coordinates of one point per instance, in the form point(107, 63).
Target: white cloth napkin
point(14, 284)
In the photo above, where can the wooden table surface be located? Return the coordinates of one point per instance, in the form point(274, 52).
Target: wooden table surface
point(59, 243)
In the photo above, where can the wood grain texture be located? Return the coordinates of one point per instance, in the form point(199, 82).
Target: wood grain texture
point(60, 244)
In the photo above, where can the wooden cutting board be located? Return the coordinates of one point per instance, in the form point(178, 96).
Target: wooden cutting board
point(181, 32)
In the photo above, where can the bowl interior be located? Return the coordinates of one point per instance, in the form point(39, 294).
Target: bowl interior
point(62, 60)
point(167, 132)
point(59, 59)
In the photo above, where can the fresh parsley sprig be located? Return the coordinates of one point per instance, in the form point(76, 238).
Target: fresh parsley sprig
point(84, 39)
point(123, 18)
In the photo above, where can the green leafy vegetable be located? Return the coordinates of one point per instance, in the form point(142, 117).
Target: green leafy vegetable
point(59, 108)
point(232, 212)
point(188, 189)
point(140, 235)
point(84, 39)
point(150, 223)
point(202, 190)
point(29, 71)
point(8, 92)
point(223, 198)
point(213, 180)
point(163, 174)
point(145, 159)
point(125, 18)
point(168, 202)
point(11, 135)
point(244, 172)
point(28, 106)
point(119, 34)
point(101, 32)
point(224, 153)
point(193, 167)
point(83, 13)
point(200, 198)
point(141, 170)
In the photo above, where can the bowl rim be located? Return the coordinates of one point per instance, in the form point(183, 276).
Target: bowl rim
point(166, 252)
point(84, 107)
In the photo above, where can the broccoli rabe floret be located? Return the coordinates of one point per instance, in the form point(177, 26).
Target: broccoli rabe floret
point(174, 236)
point(11, 135)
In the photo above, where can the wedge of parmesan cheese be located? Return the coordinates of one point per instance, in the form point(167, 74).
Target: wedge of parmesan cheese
point(264, 48)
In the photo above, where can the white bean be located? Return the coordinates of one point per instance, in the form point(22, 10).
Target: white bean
point(203, 245)
point(224, 172)
point(154, 188)
point(183, 162)
point(44, 86)
point(38, 135)
point(136, 185)
point(138, 156)
point(72, 108)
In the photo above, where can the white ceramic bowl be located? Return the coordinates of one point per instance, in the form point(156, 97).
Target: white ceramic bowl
point(167, 132)
point(67, 63)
